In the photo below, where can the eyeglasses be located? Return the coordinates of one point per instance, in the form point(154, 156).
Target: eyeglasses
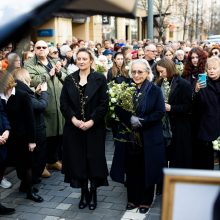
point(43, 47)
point(154, 51)
point(55, 52)
point(139, 72)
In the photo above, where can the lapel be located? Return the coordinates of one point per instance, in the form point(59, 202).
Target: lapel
point(74, 79)
point(174, 85)
point(92, 85)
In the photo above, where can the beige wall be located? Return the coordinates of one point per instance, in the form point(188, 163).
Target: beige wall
point(48, 25)
point(81, 31)
point(91, 30)
point(121, 28)
point(63, 30)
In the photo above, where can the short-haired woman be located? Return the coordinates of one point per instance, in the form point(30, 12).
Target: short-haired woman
point(144, 162)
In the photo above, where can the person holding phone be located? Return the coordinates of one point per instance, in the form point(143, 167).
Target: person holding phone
point(206, 115)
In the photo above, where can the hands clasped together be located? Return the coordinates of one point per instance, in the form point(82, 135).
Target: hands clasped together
point(83, 125)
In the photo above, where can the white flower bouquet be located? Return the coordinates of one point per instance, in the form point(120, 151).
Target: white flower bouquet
point(121, 95)
point(216, 144)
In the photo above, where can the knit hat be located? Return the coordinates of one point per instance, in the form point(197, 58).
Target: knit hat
point(107, 52)
point(64, 49)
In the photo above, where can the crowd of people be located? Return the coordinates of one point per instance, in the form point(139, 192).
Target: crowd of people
point(54, 101)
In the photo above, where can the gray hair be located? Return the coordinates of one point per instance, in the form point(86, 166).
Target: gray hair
point(178, 52)
point(147, 67)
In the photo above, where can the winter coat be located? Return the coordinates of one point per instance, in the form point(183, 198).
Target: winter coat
point(84, 151)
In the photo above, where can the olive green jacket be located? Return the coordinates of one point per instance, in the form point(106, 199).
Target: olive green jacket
point(53, 118)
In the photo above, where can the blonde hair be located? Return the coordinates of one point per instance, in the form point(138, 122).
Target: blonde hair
point(213, 60)
point(22, 75)
point(7, 82)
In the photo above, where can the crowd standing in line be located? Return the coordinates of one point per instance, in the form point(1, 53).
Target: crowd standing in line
point(63, 91)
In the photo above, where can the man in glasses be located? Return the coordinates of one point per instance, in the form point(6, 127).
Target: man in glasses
point(43, 69)
point(150, 55)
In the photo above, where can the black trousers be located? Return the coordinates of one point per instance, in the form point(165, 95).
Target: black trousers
point(203, 155)
point(39, 155)
point(54, 148)
point(137, 191)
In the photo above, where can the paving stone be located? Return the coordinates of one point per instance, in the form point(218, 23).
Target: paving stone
point(52, 212)
point(61, 200)
point(27, 208)
point(63, 206)
point(31, 216)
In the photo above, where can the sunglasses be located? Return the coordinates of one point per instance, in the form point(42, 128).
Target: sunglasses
point(55, 52)
point(41, 47)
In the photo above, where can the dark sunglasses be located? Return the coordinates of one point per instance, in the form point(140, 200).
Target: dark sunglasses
point(41, 48)
point(55, 52)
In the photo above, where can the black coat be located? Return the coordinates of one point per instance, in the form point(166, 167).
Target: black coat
point(151, 131)
point(84, 151)
point(180, 99)
point(206, 115)
point(21, 117)
point(39, 104)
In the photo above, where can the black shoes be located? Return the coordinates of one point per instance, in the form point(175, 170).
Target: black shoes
point(130, 206)
point(93, 199)
point(143, 210)
point(6, 211)
point(84, 198)
point(34, 197)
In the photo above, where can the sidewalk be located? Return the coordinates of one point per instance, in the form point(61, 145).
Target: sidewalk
point(61, 201)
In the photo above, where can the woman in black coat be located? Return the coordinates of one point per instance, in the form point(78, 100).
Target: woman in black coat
point(39, 100)
point(143, 164)
point(22, 140)
point(178, 105)
point(206, 115)
point(84, 104)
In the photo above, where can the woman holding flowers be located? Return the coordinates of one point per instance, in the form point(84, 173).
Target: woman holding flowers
point(144, 154)
point(178, 101)
point(206, 115)
point(84, 104)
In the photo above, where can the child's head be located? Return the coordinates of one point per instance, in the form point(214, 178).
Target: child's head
point(213, 68)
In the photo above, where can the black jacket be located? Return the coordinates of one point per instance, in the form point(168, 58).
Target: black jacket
point(206, 113)
point(39, 103)
point(180, 99)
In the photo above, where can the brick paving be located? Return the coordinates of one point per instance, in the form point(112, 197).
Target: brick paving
point(61, 201)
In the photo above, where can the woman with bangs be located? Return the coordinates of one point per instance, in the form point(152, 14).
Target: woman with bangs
point(118, 72)
point(178, 101)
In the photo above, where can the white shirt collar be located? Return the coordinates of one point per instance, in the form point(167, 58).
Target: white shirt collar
point(2, 95)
